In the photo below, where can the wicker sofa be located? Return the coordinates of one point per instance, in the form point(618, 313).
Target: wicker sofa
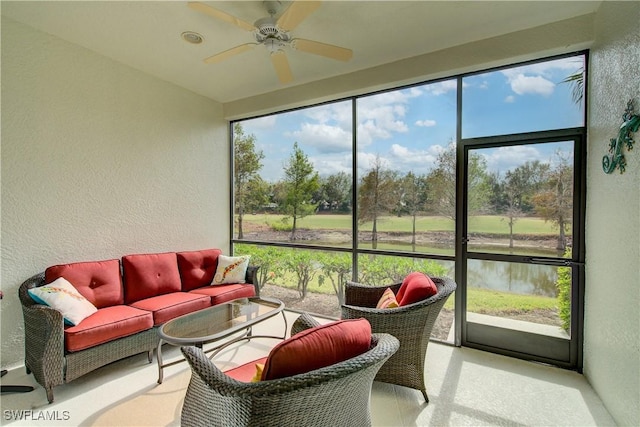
point(133, 297)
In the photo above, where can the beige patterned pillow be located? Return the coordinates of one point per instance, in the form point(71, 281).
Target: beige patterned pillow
point(231, 269)
point(61, 295)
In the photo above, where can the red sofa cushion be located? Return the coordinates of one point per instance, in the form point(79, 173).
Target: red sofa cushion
point(246, 372)
point(318, 347)
point(150, 275)
point(98, 281)
point(223, 293)
point(415, 287)
point(197, 267)
point(166, 307)
point(105, 325)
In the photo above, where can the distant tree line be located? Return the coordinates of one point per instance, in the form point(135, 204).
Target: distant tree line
point(531, 189)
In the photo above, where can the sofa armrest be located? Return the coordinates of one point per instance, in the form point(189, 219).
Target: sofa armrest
point(251, 277)
point(43, 337)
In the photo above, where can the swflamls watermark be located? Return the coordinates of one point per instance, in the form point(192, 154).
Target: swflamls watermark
point(31, 415)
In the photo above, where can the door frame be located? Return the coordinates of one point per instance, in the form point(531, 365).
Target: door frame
point(560, 352)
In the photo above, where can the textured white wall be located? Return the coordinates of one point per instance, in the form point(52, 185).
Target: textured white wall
point(99, 160)
point(612, 297)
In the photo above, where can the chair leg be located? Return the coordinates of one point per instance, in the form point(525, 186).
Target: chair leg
point(49, 394)
point(150, 356)
point(426, 398)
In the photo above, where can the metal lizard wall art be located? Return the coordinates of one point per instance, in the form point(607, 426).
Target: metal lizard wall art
point(615, 158)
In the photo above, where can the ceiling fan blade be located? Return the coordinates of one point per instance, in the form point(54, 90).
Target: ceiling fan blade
point(219, 57)
point(324, 49)
point(224, 16)
point(281, 64)
point(296, 13)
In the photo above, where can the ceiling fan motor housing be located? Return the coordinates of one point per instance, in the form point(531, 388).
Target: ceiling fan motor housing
point(268, 33)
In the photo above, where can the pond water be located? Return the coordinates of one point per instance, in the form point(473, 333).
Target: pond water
point(530, 279)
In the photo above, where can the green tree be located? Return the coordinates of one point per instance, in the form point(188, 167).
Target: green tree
point(376, 197)
point(442, 184)
point(519, 186)
point(337, 191)
point(247, 162)
point(414, 199)
point(555, 201)
point(300, 183)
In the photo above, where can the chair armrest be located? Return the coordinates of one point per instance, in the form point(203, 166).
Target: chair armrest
point(302, 323)
point(44, 336)
point(251, 277)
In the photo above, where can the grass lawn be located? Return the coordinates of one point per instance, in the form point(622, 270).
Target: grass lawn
point(485, 301)
point(492, 224)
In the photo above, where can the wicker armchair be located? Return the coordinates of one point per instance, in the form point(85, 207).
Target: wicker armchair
point(411, 324)
point(336, 395)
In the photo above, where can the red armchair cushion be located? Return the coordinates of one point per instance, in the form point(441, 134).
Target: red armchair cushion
point(98, 281)
point(318, 347)
point(150, 275)
point(197, 267)
point(245, 373)
point(415, 287)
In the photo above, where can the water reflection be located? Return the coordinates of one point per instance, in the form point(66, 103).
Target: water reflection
point(530, 279)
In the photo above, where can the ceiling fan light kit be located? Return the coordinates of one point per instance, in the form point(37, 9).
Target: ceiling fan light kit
point(275, 35)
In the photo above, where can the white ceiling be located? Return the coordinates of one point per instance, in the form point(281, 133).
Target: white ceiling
point(146, 35)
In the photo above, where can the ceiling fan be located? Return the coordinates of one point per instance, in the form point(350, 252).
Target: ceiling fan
point(275, 35)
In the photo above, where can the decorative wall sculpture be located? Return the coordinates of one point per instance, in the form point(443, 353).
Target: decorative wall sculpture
point(615, 158)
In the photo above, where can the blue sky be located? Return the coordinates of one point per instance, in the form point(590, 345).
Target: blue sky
point(408, 128)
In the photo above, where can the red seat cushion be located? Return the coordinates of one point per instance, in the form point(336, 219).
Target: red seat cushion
point(197, 267)
point(318, 347)
point(244, 373)
point(415, 287)
point(224, 293)
point(150, 275)
point(166, 307)
point(98, 281)
point(105, 325)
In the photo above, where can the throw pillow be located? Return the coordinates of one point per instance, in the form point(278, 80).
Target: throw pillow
point(387, 300)
point(318, 347)
point(259, 368)
point(61, 295)
point(415, 287)
point(231, 269)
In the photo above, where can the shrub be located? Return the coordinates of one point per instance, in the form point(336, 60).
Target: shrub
point(563, 284)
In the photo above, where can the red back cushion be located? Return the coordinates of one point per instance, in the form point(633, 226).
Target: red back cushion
point(415, 287)
point(149, 275)
point(197, 267)
point(317, 347)
point(98, 281)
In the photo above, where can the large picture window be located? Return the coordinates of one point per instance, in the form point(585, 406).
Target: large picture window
point(369, 189)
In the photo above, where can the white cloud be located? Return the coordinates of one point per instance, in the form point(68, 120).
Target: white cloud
point(404, 159)
point(325, 138)
point(510, 99)
point(522, 85)
point(507, 158)
point(266, 122)
point(440, 88)
point(426, 123)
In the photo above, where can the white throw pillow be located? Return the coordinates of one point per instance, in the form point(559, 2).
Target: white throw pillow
point(61, 295)
point(231, 269)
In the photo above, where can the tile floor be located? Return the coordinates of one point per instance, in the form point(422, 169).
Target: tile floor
point(466, 387)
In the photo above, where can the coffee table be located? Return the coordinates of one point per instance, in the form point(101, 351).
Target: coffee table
point(216, 323)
